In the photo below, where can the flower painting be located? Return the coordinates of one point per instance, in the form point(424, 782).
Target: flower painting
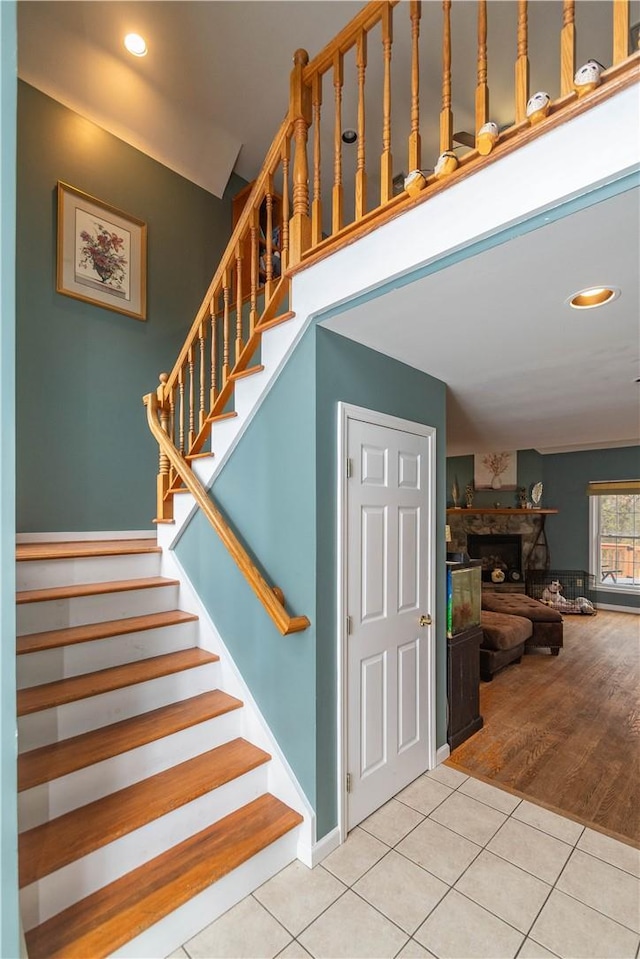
point(102, 253)
point(495, 471)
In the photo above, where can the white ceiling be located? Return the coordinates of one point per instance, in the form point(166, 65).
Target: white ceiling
point(522, 369)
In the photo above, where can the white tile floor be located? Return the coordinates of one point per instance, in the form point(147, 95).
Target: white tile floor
point(452, 867)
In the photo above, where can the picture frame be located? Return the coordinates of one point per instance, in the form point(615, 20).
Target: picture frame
point(496, 471)
point(101, 254)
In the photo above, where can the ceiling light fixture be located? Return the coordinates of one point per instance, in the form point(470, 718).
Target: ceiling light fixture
point(135, 44)
point(593, 296)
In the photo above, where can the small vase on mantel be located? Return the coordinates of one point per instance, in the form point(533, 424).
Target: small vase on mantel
point(496, 483)
point(455, 493)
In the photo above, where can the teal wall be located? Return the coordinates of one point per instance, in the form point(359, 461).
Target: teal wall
point(530, 467)
point(278, 490)
point(9, 924)
point(564, 477)
point(85, 457)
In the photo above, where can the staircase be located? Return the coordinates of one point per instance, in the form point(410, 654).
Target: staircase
point(144, 814)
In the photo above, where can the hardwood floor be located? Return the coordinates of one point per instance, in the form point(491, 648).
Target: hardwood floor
point(565, 730)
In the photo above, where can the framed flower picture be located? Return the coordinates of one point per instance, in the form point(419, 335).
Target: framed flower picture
point(102, 254)
point(495, 471)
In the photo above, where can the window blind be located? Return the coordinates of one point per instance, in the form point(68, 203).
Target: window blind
point(614, 488)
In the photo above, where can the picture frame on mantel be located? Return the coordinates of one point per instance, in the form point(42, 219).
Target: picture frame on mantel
point(101, 254)
point(495, 471)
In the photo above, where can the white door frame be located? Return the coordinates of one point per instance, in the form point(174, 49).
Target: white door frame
point(348, 412)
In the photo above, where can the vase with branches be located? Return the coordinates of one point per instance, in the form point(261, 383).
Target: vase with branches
point(496, 464)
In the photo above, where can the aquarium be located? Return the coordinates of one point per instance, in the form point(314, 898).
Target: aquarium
point(464, 593)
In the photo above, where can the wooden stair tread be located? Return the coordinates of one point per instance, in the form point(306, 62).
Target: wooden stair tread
point(48, 695)
point(54, 638)
point(81, 548)
point(58, 842)
point(69, 755)
point(248, 372)
point(276, 321)
point(92, 589)
point(107, 919)
point(221, 416)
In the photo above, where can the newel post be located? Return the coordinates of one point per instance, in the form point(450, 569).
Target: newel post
point(164, 503)
point(300, 115)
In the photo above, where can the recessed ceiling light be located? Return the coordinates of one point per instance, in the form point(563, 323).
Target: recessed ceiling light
point(593, 296)
point(349, 136)
point(135, 44)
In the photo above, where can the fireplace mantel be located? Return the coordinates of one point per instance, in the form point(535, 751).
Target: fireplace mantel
point(461, 510)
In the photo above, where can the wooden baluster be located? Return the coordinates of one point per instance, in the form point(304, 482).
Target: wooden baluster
point(164, 503)
point(386, 160)
point(446, 115)
point(482, 90)
point(203, 374)
point(238, 343)
point(522, 62)
point(255, 267)
point(213, 390)
point(226, 332)
point(361, 168)
point(284, 232)
point(268, 253)
point(192, 431)
point(181, 410)
point(172, 415)
point(415, 144)
point(620, 30)
point(337, 198)
point(316, 205)
point(300, 112)
point(568, 47)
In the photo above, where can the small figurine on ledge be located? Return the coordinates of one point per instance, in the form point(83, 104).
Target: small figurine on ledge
point(468, 493)
point(522, 497)
point(536, 494)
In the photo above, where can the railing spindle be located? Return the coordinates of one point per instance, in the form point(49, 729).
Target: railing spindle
point(300, 107)
point(226, 332)
point(268, 255)
point(415, 145)
point(213, 391)
point(361, 169)
point(164, 503)
point(238, 343)
point(337, 205)
point(181, 410)
point(201, 411)
point(255, 268)
point(386, 160)
point(316, 205)
point(285, 155)
point(192, 424)
point(568, 47)
point(482, 89)
point(620, 30)
point(522, 61)
point(446, 115)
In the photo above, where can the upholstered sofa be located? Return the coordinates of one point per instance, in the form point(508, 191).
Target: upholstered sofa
point(513, 623)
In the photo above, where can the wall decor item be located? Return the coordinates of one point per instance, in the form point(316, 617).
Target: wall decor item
point(102, 254)
point(495, 471)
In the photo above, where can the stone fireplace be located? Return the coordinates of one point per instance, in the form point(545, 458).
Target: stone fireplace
point(497, 551)
point(527, 525)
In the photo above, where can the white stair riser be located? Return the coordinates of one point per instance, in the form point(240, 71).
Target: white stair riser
point(71, 719)
point(48, 666)
point(80, 610)
point(248, 391)
point(46, 573)
point(185, 922)
point(278, 340)
point(53, 893)
point(52, 799)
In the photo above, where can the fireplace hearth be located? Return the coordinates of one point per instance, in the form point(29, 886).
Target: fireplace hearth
point(497, 551)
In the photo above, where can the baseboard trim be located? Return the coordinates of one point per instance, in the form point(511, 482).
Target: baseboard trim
point(84, 537)
point(442, 753)
point(634, 610)
point(321, 849)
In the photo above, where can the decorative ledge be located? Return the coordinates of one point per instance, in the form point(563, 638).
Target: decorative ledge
point(514, 511)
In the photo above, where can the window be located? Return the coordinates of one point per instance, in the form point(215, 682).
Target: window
point(615, 535)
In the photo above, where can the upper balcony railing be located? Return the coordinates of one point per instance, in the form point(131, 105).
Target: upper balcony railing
point(420, 98)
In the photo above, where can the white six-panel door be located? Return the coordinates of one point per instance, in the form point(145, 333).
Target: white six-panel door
point(388, 570)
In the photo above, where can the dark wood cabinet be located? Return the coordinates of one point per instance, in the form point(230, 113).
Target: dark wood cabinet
point(463, 685)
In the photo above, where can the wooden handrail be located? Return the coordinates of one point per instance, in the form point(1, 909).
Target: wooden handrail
point(265, 593)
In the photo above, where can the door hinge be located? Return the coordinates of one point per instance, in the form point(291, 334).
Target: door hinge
point(348, 782)
point(349, 625)
point(349, 467)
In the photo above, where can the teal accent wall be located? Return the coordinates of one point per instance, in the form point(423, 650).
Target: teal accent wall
point(350, 373)
point(566, 476)
point(530, 468)
point(85, 457)
point(278, 491)
point(9, 921)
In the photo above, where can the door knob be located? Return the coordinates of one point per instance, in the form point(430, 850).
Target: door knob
point(425, 620)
